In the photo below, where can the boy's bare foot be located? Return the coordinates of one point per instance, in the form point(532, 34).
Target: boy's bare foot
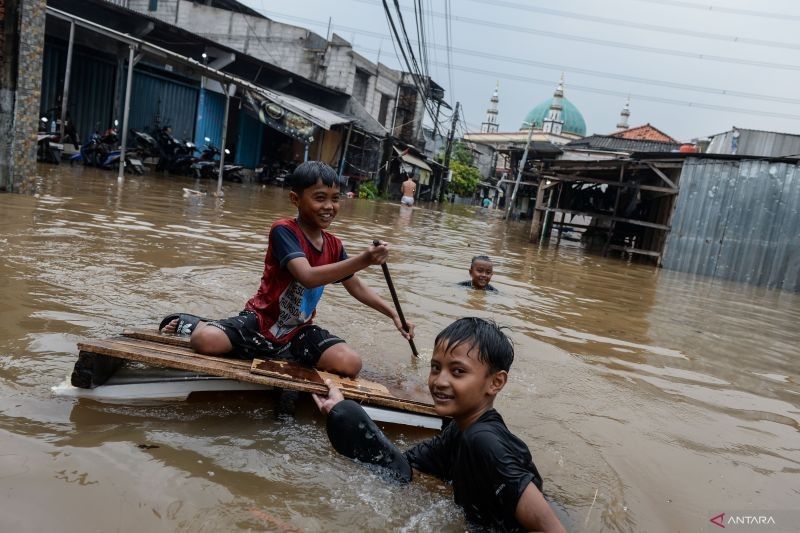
point(180, 323)
point(170, 328)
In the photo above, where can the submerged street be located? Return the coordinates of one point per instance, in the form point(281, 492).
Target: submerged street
point(651, 400)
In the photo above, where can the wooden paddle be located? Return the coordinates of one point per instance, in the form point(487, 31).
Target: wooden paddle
point(388, 277)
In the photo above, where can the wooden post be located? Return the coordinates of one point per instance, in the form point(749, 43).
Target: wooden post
point(614, 213)
point(536, 222)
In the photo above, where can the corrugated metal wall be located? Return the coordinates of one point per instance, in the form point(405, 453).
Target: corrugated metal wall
point(757, 143)
point(174, 103)
point(213, 114)
point(248, 147)
point(738, 220)
point(91, 88)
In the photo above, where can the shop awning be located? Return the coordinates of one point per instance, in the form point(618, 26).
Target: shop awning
point(412, 159)
point(289, 115)
point(322, 117)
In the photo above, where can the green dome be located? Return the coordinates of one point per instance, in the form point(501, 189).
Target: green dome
point(573, 120)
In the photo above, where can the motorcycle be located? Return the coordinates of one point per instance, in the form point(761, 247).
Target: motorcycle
point(175, 156)
point(102, 151)
point(132, 162)
point(208, 165)
point(146, 145)
point(48, 148)
point(273, 173)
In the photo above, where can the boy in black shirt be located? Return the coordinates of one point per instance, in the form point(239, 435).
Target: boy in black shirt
point(480, 274)
point(492, 472)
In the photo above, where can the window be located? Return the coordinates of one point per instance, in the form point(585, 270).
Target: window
point(360, 84)
point(384, 110)
point(153, 6)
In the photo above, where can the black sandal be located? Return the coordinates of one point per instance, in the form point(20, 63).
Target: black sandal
point(186, 323)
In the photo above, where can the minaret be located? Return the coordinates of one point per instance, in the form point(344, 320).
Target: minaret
point(491, 125)
point(554, 121)
point(624, 114)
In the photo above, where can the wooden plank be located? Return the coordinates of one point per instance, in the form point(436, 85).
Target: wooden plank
point(661, 174)
point(183, 341)
point(156, 336)
point(172, 356)
point(295, 372)
point(607, 217)
point(401, 391)
point(630, 250)
point(610, 183)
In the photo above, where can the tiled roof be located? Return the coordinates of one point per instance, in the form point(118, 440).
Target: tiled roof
point(612, 143)
point(645, 132)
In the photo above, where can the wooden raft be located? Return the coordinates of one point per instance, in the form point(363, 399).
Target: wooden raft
point(172, 351)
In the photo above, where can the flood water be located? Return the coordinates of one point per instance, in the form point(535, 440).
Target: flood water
point(651, 400)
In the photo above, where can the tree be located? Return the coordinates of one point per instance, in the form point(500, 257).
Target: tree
point(465, 178)
point(460, 152)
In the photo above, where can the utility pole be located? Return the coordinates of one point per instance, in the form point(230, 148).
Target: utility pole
point(524, 160)
point(448, 150)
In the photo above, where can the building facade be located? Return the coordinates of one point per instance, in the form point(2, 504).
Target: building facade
point(387, 95)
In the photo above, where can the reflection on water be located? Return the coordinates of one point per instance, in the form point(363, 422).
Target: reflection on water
point(648, 398)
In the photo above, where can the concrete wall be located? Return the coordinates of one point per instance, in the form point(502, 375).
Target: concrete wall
point(331, 63)
point(22, 48)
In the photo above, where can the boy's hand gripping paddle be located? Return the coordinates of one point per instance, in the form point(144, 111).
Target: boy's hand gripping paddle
point(388, 277)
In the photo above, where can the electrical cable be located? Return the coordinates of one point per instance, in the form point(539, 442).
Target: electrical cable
point(644, 97)
point(580, 70)
point(613, 44)
point(640, 25)
point(721, 9)
point(411, 67)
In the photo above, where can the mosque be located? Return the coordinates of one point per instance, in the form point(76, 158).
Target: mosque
point(558, 130)
point(555, 120)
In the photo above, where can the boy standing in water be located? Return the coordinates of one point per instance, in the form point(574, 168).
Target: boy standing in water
point(301, 259)
point(480, 272)
point(492, 471)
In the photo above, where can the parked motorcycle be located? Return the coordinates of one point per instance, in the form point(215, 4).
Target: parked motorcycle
point(102, 151)
point(274, 173)
point(208, 165)
point(132, 161)
point(53, 126)
point(48, 148)
point(146, 145)
point(175, 156)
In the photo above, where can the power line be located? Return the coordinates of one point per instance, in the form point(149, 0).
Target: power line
point(626, 77)
point(645, 97)
point(721, 9)
point(412, 66)
point(449, 42)
point(640, 26)
point(580, 70)
point(613, 44)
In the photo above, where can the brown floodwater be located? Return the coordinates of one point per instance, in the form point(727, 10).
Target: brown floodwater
point(651, 400)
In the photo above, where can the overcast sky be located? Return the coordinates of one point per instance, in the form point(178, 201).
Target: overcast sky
point(749, 74)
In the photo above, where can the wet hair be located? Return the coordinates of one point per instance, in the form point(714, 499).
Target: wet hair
point(493, 347)
point(480, 258)
point(309, 173)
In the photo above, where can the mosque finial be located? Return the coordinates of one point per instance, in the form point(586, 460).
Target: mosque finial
point(624, 114)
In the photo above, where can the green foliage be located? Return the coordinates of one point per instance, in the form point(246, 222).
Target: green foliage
point(459, 153)
point(465, 178)
point(368, 190)
point(462, 154)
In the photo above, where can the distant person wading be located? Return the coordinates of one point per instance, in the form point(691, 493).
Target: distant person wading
point(409, 189)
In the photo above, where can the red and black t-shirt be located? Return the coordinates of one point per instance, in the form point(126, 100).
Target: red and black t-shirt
point(282, 303)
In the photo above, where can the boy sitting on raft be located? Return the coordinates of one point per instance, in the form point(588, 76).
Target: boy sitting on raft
point(492, 471)
point(301, 259)
point(480, 273)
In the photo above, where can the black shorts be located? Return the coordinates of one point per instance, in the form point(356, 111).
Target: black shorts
point(306, 347)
